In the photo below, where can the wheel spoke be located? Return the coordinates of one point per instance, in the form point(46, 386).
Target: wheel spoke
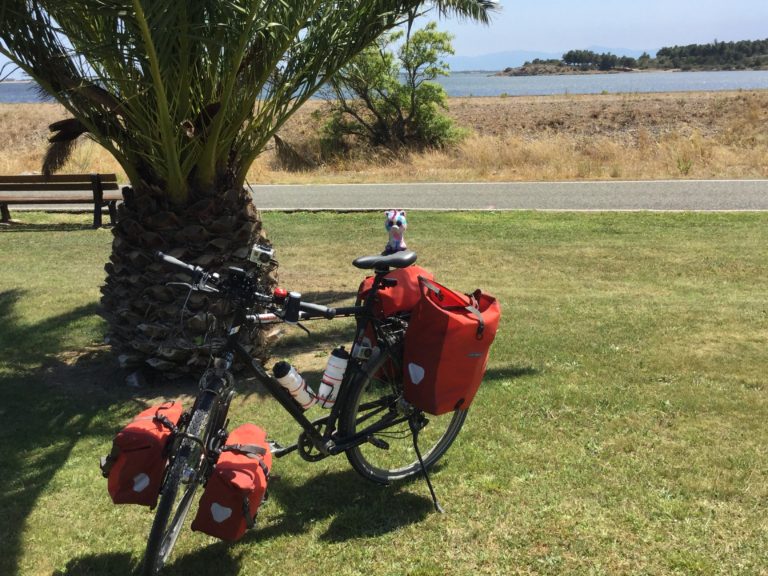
point(375, 404)
point(176, 524)
point(176, 497)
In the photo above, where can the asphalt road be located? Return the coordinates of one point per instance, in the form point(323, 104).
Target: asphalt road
point(674, 195)
point(661, 195)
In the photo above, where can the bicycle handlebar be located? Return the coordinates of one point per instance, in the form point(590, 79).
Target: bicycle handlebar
point(195, 271)
point(318, 310)
point(294, 309)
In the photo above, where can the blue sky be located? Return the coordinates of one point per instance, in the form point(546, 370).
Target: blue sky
point(561, 25)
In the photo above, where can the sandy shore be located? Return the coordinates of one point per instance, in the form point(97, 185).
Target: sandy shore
point(589, 115)
point(658, 135)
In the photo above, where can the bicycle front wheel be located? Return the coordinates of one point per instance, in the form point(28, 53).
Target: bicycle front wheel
point(181, 483)
point(376, 399)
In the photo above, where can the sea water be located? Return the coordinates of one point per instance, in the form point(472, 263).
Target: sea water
point(465, 84)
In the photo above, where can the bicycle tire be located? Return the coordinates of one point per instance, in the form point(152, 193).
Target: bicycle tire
point(381, 385)
point(176, 497)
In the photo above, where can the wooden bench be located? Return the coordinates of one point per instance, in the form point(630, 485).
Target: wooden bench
point(99, 189)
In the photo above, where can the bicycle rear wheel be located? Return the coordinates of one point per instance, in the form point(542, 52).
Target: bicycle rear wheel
point(376, 397)
point(183, 478)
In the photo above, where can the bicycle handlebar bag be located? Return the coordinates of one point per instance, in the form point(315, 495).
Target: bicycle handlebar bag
point(402, 297)
point(446, 347)
point(135, 467)
point(237, 486)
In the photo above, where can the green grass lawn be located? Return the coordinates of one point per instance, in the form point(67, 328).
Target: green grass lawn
point(622, 427)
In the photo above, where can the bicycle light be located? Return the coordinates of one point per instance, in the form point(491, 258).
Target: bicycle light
point(279, 295)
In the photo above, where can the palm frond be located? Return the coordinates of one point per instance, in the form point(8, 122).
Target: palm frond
point(68, 129)
point(62, 144)
point(56, 155)
point(185, 93)
point(479, 10)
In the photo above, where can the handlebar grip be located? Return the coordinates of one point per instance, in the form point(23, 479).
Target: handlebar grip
point(195, 271)
point(318, 310)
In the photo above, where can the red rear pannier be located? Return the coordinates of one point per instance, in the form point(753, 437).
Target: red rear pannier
point(446, 347)
point(237, 485)
point(400, 298)
point(136, 465)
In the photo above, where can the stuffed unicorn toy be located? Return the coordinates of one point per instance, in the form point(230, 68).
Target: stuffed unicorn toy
point(396, 225)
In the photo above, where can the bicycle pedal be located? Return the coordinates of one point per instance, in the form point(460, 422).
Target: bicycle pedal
point(275, 446)
point(378, 442)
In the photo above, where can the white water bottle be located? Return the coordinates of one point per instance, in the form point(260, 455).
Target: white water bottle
point(290, 379)
point(334, 372)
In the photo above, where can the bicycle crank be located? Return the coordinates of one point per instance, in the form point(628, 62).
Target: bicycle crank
point(307, 450)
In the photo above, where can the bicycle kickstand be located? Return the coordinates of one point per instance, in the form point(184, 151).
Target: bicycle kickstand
point(414, 425)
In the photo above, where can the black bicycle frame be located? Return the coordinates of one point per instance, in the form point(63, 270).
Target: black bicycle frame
point(327, 443)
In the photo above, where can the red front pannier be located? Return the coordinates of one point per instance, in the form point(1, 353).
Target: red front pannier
point(136, 464)
point(446, 347)
point(399, 298)
point(237, 485)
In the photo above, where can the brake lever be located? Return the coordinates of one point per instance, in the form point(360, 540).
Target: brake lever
point(200, 287)
point(184, 284)
point(300, 325)
point(205, 283)
point(281, 314)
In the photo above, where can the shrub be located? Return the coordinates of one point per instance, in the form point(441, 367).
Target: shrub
point(387, 97)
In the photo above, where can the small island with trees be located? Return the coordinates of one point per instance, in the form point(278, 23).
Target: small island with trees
point(741, 55)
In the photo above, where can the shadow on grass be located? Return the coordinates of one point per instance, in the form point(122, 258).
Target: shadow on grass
point(215, 559)
point(357, 508)
point(98, 564)
point(510, 372)
point(49, 403)
point(21, 226)
point(40, 424)
point(32, 344)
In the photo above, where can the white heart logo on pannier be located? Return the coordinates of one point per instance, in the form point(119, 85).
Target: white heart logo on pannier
point(416, 373)
point(220, 513)
point(140, 482)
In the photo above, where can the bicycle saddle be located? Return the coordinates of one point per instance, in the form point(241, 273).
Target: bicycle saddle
point(397, 260)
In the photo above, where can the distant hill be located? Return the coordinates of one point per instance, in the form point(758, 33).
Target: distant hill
point(741, 55)
point(496, 60)
point(620, 51)
point(514, 58)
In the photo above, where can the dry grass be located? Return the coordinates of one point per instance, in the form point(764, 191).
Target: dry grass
point(564, 137)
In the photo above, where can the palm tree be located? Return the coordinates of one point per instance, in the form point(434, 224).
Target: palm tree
point(185, 94)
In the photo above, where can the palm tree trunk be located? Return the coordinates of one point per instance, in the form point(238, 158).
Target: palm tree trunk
point(165, 328)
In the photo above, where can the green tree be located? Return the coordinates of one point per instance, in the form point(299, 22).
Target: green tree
point(607, 61)
point(388, 97)
point(583, 58)
point(627, 62)
point(185, 94)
